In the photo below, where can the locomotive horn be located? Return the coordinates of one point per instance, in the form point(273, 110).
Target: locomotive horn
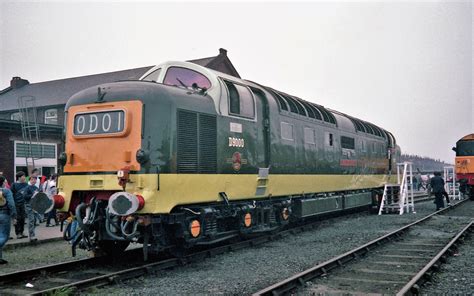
point(124, 203)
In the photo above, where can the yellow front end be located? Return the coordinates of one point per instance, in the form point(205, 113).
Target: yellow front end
point(465, 165)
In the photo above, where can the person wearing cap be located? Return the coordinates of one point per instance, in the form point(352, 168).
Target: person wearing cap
point(7, 213)
point(437, 187)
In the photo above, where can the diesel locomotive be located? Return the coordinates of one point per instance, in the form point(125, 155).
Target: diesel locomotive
point(465, 164)
point(189, 156)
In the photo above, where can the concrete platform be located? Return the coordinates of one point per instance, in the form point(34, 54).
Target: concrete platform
point(43, 234)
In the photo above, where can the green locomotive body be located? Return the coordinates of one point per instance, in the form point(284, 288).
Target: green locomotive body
point(187, 156)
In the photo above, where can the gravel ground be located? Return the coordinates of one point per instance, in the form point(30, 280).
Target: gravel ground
point(456, 276)
point(247, 271)
point(22, 258)
point(354, 278)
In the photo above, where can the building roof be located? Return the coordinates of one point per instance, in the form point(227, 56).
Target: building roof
point(219, 63)
point(57, 92)
point(14, 125)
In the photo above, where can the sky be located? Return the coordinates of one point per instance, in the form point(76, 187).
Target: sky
point(404, 66)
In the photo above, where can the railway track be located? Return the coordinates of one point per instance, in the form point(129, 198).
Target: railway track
point(99, 271)
point(50, 276)
point(396, 263)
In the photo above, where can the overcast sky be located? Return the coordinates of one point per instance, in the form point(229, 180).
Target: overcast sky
point(405, 66)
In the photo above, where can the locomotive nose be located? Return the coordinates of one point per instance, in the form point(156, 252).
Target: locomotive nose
point(124, 203)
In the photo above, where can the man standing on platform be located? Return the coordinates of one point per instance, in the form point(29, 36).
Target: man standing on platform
point(7, 213)
point(35, 174)
point(19, 191)
point(31, 189)
point(437, 187)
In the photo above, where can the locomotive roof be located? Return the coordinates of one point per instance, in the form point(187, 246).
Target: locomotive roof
point(340, 119)
point(469, 137)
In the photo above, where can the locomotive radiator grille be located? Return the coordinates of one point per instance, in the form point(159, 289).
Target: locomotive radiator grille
point(187, 142)
point(207, 144)
point(197, 143)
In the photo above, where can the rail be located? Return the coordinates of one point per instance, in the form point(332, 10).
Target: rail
point(413, 286)
point(301, 278)
point(136, 271)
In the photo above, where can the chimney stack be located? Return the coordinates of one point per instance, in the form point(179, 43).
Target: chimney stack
point(222, 52)
point(18, 82)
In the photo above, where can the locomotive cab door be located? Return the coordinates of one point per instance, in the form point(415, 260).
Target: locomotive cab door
point(263, 128)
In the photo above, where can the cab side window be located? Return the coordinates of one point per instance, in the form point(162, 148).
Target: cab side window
point(153, 76)
point(187, 78)
point(241, 101)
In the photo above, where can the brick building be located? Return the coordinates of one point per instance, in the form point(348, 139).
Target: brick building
point(50, 98)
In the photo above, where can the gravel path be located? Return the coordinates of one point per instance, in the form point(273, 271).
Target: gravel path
point(247, 271)
point(22, 258)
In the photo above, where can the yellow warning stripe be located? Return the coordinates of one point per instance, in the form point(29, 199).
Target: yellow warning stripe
point(165, 191)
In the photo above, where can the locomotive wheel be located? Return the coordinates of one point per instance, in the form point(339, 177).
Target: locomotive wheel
point(113, 248)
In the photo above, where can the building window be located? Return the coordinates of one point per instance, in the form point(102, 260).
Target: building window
point(186, 78)
point(37, 150)
point(287, 131)
point(51, 116)
point(153, 76)
point(241, 100)
point(15, 116)
point(347, 143)
point(309, 136)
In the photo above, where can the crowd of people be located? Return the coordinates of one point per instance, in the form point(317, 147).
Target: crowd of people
point(15, 206)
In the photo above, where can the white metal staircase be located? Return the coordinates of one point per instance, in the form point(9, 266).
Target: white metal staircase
point(399, 197)
point(450, 185)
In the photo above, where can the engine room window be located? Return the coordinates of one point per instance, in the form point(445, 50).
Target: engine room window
point(241, 100)
point(51, 116)
point(347, 142)
point(153, 76)
point(286, 131)
point(329, 139)
point(186, 78)
point(362, 145)
point(309, 136)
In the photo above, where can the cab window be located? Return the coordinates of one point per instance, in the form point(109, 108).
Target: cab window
point(241, 100)
point(465, 148)
point(153, 76)
point(183, 77)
